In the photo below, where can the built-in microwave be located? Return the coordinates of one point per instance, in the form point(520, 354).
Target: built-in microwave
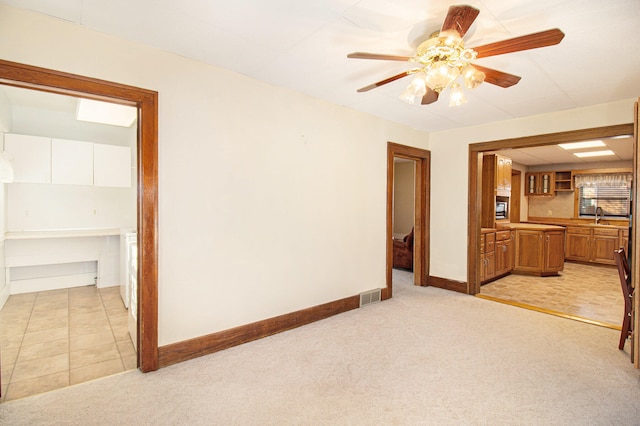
point(502, 209)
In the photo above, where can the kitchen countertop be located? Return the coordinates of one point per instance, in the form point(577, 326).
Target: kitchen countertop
point(536, 226)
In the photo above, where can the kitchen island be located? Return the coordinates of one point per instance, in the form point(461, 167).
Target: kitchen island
point(539, 249)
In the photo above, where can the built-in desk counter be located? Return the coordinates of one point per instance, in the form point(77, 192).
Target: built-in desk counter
point(53, 259)
point(65, 233)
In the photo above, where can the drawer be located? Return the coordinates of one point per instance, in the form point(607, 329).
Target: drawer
point(482, 244)
point(503, 235)
point(578, 230)
point(624, 233)
point(606, 232)
point(490, 242)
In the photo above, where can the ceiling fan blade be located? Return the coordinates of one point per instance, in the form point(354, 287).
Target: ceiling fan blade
point(459, 18)
point(526, 42)
point(383, 82)
point(430, 97)
point(364, 55)
point(498, 78)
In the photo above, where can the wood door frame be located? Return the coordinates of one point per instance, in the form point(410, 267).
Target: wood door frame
point(146, 101)
point(421, 221)
point(475, 193)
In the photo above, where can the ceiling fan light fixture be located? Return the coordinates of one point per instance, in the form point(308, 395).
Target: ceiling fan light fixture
point(415, 90)
point(442, 58)
point(440, 75)
point(472, 77)
point(456, 94)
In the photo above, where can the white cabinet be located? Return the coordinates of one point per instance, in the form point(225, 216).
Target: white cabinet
point(38, 159)
point(71, 162)
point(31, 157)
point(111, 166)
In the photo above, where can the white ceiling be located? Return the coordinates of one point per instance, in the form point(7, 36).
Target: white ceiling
point(622, 148)
point(304, 44)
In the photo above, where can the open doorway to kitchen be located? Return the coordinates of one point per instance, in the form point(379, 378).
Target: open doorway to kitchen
point(144, 300)
point(417, 163)
point(539, 210)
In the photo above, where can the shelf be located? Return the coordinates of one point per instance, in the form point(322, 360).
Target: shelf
point(563, 181)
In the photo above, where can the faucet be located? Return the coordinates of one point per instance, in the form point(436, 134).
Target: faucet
point(598, 214)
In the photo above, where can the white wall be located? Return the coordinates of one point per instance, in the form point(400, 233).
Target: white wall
point(261, 209)
point(5, 126)
point(403, 197)
point(450, 156)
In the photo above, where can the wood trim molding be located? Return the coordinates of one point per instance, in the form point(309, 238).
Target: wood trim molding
point(422, 218)
point(199, 346)
point(475, 180)
point(447, 284)
point(30, 77)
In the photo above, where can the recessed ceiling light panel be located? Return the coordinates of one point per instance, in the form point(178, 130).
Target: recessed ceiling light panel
point(106, 113)
point(581, 145)
point(593, 153)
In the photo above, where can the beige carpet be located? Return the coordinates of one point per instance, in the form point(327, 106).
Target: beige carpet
point(428, 356)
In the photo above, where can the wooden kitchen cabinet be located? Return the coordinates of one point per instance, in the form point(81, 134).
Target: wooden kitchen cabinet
point(539, 183)
point(496, 169)
point(539, 251)
point(504, 253)
point(595, 244)
point(496, 186)
point(578, 243)
point(563, 181)
point(487, 255)
point(603, 243)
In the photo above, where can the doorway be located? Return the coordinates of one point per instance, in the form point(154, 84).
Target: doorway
point(475, 181)
point(421, 219)
point(146, 102)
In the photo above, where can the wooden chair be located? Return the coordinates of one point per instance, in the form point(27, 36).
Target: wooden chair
point(625, 282)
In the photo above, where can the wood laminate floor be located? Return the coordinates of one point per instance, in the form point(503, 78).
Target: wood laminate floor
point(586, 291)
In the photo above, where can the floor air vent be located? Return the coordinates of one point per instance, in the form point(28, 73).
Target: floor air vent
point(369, 297)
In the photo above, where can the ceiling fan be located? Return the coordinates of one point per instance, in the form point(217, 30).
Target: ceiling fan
point(442, 59)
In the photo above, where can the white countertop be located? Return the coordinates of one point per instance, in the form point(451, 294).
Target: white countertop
point(65, 233)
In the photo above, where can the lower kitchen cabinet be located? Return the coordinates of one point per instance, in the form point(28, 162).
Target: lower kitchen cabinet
point(539, 251)
point(595, 244)
point(504, 253)
point(497, 252)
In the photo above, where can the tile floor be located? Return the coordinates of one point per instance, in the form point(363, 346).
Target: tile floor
point(57, 338)
point(588, 291)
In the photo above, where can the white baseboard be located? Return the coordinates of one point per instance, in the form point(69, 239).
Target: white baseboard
point(52, 283)
point(4, 295)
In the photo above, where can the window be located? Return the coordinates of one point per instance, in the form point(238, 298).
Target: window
point(610, 192)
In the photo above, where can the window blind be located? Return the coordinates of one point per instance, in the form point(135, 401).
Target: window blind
point(610, 195)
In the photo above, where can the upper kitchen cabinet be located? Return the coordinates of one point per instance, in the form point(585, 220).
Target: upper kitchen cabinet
point(111, 166)
point(71, 162)
point(497, 169)
point(496, 186)
point(31, 157)
point(539, 183)
point(39, 159)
